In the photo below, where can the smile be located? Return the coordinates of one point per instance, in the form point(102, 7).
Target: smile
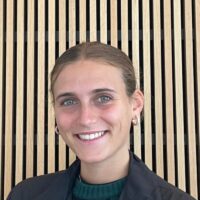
point(91, 136)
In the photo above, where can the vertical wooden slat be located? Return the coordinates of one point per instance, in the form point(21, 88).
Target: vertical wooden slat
point(124, 25)
point(41, 88)
point(103, 21)
point(169, 92)
point(51, 62)
point(9, 98)
point(72, 23)
point(30, 91)
point(93, 21)
point(158, 88)
point(147, 83)
point(82, 20)
point(1, 91)
point(197, 53)
point(136, 65)
point(179, 94)
point(72, 42)
point(190, 98)
point(113, 23)
point(62, 48)
point(20, 91)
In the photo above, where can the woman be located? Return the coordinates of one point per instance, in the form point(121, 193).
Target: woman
point(96, 100)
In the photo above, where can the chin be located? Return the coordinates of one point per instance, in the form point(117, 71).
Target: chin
point(94, 158)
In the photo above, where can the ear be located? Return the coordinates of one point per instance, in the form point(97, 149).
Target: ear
point(137, 102)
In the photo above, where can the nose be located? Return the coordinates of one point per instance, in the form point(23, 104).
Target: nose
point(88, 115)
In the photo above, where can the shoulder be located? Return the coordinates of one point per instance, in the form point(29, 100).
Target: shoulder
point(45, 186)
point(150, 185)
point(170, 192)
point(31, 187)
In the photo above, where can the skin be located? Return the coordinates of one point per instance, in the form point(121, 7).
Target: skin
point(90, 97)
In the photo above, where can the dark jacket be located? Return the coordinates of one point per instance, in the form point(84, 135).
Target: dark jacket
point(141, 184)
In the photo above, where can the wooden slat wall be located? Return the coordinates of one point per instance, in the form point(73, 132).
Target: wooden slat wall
point(189, 62)
point(197, 71)
point(136, 64)
point(20, 93)
point(9, 96)
point(62, 47)
point(41, 88)
point(158, 88)
point(179, 94)
point(169, 92)
point(30, 90)
point(51, 61)
point(163, 40)
point(147, 82)
point(1, 87)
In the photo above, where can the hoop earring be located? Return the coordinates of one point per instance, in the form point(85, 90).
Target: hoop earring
point(135, 120)
point(57, 130)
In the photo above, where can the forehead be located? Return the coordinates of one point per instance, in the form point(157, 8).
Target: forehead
point(87, 73)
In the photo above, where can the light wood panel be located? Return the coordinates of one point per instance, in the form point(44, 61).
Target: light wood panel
point(124, 26)
point(62, 48)
point(41, 89)
point(20, 92)
point(136, 65)
point(82, 20)
point(30, 91)
point(113, 22)
point(93, 20)
point(51, 62)
point(197, 54)
point(9, 98)
point(103, 21)
point(147, 83)
point(169, 92)
point(72, 42)
point(1, 89)
point(179, 94)
point(190, 98)
point(158, 88)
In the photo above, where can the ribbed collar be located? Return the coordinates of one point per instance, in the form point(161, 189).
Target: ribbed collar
point(83, 190)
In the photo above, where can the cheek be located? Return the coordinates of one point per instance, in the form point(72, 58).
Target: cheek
point(63, 121)
point(113, 115)
point(118, 116)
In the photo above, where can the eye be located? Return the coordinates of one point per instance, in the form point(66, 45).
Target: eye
point(69, 102)
point(104, 99)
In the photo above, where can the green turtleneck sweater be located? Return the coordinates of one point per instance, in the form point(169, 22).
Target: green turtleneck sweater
point(108, 191)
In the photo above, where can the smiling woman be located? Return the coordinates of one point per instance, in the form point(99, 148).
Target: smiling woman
point(96, 101)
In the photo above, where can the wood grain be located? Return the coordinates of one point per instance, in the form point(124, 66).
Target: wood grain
point(41, 89)
point(169, 106)
point(179, 94)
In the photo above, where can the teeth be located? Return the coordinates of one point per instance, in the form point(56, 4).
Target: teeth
point(91, 136)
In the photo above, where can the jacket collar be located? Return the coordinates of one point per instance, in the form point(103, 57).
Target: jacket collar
point(61, 188)
point(139, 184)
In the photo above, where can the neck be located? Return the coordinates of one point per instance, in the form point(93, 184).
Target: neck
point(106, 171)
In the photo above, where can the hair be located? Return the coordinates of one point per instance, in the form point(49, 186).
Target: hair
point(99, 52)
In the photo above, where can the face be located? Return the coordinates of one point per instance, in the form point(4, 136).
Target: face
point(93, 112)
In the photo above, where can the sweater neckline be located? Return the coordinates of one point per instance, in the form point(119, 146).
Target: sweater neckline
point(84, 190)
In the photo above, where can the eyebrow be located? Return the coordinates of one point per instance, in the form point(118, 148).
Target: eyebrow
point(99, 90)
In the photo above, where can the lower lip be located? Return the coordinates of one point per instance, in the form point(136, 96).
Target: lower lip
point(93, 140)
